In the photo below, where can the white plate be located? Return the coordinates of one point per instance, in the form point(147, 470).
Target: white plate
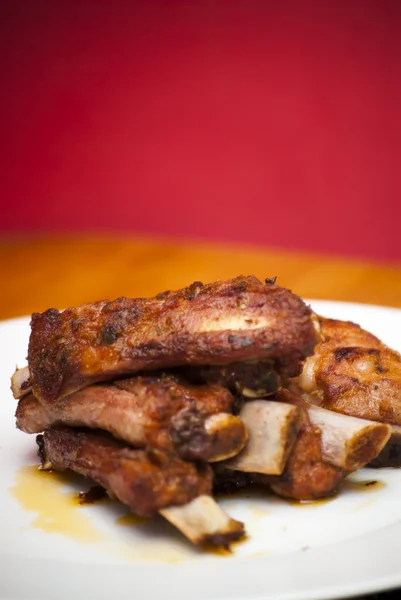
point(52, 548)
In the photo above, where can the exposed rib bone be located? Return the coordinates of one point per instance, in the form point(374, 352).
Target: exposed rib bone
point(348, 442)
point(20, 385)
point(203, 521)
point(272, 430)
point(229, 435)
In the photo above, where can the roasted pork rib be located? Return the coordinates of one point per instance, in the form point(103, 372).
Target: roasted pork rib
point(140, 394)
point(313, 469)
point(302, 451)
point(161, 411)
point(354, 373)
point(147, 481)
point(218, 323)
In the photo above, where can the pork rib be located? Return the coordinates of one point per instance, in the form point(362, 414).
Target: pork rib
point(145, 480)
point(306, 476)
point(328, 448)
point(148, 482)
point(354, 373)
point(220, 323)
point(161, 411)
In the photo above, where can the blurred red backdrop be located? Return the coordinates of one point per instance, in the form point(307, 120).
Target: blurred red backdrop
point(265, 122)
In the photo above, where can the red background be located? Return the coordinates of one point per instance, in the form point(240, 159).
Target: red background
point(274, 123)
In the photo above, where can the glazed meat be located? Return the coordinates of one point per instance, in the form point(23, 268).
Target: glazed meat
point(354, 373)
point(162, 411)
point(147, 481)
point(218, 324)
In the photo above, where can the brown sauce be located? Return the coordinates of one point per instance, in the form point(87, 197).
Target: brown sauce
point(56, 511)
point(225, 551)
point(309, 503)
point(131, 520)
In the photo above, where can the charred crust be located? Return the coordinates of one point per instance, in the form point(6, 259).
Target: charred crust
point(340, 353)
point(224, 539)
point(354, 352)
point(271, 280)
point(237, 288)
point(163, 295)
point(147, 350)
point(40, 440)
point(26, 384)
point(189, 436)
point(51, 314)
point(193, 290)
point(63, 359)
point(95, 493)
point(75, 325)
point(109, 334)
point(237, 405)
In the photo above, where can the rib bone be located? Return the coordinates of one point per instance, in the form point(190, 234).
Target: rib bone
point(272, 430)
point(229, 435)
point(203, 521)
point(20, 384)
point(348, 442)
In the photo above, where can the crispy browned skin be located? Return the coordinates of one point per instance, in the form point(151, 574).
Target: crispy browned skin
point(354, 373)
point(219, 323)
point(306, 476)
point(146, 481)
point(161, 410)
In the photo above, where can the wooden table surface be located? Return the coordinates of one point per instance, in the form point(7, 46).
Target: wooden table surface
point(43, 272)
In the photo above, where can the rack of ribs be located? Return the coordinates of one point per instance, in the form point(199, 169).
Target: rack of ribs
point(162, 400)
